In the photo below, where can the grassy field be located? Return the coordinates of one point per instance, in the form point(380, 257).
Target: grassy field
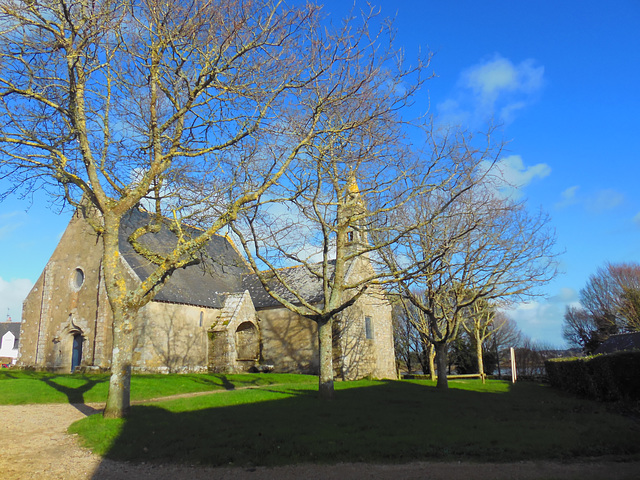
point(283, 421)
point(366, 422)
point(21, 387)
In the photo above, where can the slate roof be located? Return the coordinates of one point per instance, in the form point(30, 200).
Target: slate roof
point(620, 342)
point(300, 278)
point(220, 271)
point(13, 327)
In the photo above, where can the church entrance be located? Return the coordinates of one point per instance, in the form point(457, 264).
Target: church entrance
point(247, 342)
point(76, 356)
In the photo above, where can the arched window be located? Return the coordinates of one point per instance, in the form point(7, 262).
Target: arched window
point(77, 279)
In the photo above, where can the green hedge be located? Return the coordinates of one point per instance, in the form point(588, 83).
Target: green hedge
point(603, 377)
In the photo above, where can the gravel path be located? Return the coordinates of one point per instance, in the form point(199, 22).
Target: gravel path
point(35, 445)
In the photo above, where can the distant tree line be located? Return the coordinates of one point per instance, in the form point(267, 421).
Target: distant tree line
point(481, 347)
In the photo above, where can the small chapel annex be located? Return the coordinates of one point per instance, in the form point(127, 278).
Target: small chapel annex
point(215, 316)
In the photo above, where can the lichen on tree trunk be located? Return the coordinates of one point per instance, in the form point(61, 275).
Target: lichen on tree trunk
point(124, 316)
point(118, 398)
point(432, 364)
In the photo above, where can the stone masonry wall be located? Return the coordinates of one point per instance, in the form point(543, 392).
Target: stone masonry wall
point(289, 342)
point(172, 338)
point(64, 302)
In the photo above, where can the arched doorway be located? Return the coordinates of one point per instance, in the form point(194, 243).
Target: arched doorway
point(76, 355)
point(247, 341)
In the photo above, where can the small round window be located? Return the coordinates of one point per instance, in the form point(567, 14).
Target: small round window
point(78, 278)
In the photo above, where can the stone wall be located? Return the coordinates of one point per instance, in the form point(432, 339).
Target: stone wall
point(172, 338)
point(68, 300)
point(289, 341)
point(361, 355)
point(235, 336)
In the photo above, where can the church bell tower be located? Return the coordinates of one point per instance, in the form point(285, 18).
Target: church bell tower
point(353, 209)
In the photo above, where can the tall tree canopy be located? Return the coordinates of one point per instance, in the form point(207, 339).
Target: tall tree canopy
point(472, 246)
point(192, 109)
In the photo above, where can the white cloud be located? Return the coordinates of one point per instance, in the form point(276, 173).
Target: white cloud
point(12, 294)
point(540, 321)
point(595, 203)
point(604, 200)
point(636, 219)
point(566, 295)
point(495, 88)
point(511, 175)
point(499, 75)
point(569, 197)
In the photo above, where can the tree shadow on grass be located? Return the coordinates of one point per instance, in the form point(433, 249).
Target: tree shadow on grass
point(391, 422)
point(75, 395)
point(216, 381)
point(231, 382)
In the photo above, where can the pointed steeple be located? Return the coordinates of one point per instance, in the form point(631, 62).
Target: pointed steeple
point(354, 210)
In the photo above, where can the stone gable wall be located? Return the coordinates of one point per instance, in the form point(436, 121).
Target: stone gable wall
point(64, 303)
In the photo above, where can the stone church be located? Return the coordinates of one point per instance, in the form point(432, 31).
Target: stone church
point(215, 316)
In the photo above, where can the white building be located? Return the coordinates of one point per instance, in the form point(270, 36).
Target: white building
point(9, 337)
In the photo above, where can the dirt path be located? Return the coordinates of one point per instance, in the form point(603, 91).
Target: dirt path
point(35, 445)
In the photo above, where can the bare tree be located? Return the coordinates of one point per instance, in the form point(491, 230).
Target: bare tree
point(598, 297)
point(610, 303)
point(113, 103)
point(411, 348)
point(507, 336)
point(480, 323)
point(579, 329)
point(626, 278)
point(320, 218)
point(530, 357)
point(474, 247)
point(320, 227)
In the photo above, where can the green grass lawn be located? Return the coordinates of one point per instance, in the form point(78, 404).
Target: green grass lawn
point(366, 422)
point(21, 387)
point(283, 421)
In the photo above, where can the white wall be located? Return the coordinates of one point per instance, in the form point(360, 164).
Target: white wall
point(8, 347)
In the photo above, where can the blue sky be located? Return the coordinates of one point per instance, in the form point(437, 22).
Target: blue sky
point(562, 77)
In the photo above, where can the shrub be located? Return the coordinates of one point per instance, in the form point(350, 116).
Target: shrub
point(603, 377)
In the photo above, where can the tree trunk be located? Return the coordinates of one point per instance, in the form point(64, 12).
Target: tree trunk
point(479, 355)
point(441, 363)
point(432, 365)
point(423, 357)
point(118, 398)
point(325, 341)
